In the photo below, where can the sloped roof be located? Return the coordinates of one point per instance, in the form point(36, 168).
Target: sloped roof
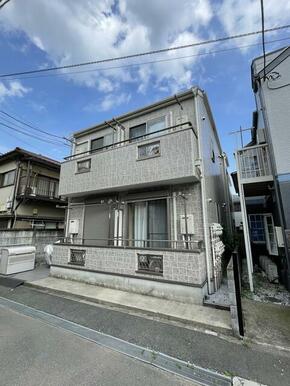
point(19, 153)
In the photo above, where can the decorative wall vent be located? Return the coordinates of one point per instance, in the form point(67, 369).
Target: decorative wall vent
point(150, 263)
point(77, 257)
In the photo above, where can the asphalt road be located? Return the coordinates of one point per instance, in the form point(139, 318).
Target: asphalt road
point(35, 353)
point(270, 367)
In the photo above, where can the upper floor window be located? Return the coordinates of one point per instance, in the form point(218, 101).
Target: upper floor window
point(97, 143)
point(150, 127)
point(100, 142)
point(7, 178)
point(81, 147)
point(137, 131)
point(149, 150)
point(84, 166)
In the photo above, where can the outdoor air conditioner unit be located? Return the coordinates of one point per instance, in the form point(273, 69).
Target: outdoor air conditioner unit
point(17, 259)
point(261, 138)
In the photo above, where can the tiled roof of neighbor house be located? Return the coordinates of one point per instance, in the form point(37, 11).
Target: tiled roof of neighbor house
point(25, 154)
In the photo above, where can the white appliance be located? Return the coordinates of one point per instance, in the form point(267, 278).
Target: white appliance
point(73, 227)
point(16, 259)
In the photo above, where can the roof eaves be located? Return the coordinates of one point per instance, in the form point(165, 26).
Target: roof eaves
point(154, 106)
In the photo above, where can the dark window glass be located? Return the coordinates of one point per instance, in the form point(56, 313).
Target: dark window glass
point(97, 143)
point(7, 178)
point(137, 131)
point(84, 166)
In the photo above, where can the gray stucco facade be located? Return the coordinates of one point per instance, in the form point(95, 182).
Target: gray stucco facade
point(118, 188)
point(273, 100)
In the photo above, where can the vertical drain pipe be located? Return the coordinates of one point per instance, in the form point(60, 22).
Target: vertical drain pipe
point(174, 220)
point(203, 196)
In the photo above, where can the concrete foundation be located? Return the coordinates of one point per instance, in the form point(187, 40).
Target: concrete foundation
point(170, 291)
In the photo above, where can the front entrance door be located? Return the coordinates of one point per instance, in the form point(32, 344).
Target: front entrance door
point(270, 234)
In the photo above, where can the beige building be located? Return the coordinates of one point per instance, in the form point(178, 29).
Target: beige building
point(29, 191)
point(147, 201)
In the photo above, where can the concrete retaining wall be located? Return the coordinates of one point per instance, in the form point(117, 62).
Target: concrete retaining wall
point(38, 238)
point(232, 297)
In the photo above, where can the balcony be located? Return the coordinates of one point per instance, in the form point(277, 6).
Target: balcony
point(40, 188)
point(254, 164)
point(160, 158)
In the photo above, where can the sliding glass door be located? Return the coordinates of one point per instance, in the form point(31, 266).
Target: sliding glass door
point(150, 228)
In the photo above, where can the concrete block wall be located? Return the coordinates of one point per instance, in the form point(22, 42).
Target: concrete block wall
point(178, 266)
point(38, 238)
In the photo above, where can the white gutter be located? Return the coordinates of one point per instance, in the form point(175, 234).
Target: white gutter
point(203, 197)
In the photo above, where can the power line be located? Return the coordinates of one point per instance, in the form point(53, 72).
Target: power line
point(148, 62)
point(32, 135)
point(263, 37)
point(22, 128)
point(5, 2)
point(153, 52)
point(33, 127)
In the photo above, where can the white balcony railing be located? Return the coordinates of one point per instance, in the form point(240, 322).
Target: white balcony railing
point(254, 163)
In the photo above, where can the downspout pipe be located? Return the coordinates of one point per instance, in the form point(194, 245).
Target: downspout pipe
point(203, 195)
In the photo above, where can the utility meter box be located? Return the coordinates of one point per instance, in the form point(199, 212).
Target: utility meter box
point(73, 227)
point(279, 236)
point(186, 221)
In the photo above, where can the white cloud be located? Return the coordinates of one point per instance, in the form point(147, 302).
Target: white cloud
point(108, 102)
point(241, 16)
point(76, 31)
point(12, 89)
point(72, 32)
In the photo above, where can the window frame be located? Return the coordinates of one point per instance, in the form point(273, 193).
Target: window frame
point(96, 139)
point(146, 123)
point(79, 144)
point(252, 220)
point(2, 177)
point(141, 158)
point(82, 161)
point(131, 218)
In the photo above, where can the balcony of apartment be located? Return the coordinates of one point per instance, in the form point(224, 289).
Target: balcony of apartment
point(254, 169)
point(160, 158)
point(39, 188)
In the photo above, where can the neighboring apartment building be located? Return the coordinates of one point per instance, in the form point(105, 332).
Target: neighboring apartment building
point(264, 166)
point(147, 194)
point(29, 191)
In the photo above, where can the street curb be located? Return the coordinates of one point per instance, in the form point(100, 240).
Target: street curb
point(204, 326)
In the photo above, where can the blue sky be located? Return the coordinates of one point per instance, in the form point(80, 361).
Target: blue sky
point(39, 34)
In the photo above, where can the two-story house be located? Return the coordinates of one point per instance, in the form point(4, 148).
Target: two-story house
point(148, 197)
point(29, 191)
point(263, 167)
